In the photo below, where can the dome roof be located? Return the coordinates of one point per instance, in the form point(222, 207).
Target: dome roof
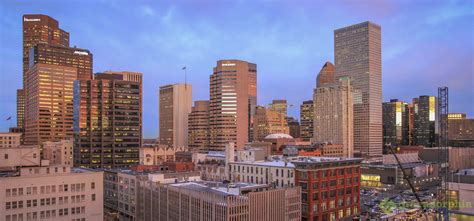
point(276, 136)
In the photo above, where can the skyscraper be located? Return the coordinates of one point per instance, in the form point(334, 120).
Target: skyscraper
point(64, 56)
point(198, 126)
point(267, 121)
point(307, 119)
point(49, 104)
point(294, 126)
point(357, 54)
point(37, 29)
point(233, 97)
point(175, 104)
point(108, 120)
point(333, 112)
point(424, 128)
point(395, 123)
point(280, 106)
point(20, 108)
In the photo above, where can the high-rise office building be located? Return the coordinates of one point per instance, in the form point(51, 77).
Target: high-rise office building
point(306, 119)
point(294, 126)
point(37, 29)
point(233, 98)
point(333, 113)
point(395, 123)
point(357, 54)
point(280, 106)
point(198, 126)
point(20, 108)
point(425, 114)
point(49, 104)
point(64, 56)
point(175, 104)
point(266, 122)
point(108, 120)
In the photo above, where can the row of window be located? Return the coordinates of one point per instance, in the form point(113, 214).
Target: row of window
point(78, 187)
point(329, 173)
point(330, 183)
point(47, 201)
point(47, 214)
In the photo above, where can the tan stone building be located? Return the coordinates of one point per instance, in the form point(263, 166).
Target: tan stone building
point(175, 105)
point(280, 106)
point(20, 156)
point(59, 152)
point(358, 54)
point(216, 201)
point(198, 126)
point(49, 103)
point(152, 153)
point(51, 193)
point(9, 140)
point(233, 97)
point(267, 121)
point(333, 113)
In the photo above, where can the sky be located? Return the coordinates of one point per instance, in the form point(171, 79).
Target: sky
point(425, 44)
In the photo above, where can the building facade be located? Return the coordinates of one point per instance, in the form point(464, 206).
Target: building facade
point(37, 29)
point(213, 201)
point(333, 113)
point(233, 98)
point(49, 103)
point(307, 120)
point(198, 126)
point(175, 105)
point(280, 106)
point(294, 127)
point(460, 130)
point(20, 108)
point(108, 120)
point(52, 193)
point(59, 152)
point(395, 123)
point(330, 187)
point(63, 56)
point(357, 54)
point(10, 140)
point(267, 121)
point(276, 173)
point(425, 117)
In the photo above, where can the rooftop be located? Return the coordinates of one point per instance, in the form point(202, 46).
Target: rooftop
point(220, 188)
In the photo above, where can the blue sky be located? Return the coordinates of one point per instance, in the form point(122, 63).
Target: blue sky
point(425, 44)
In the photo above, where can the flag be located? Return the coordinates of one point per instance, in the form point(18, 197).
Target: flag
point(184, 68)
point(9, 118)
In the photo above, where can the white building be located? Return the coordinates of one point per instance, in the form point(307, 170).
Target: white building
point(279, 173)
point(51, 193)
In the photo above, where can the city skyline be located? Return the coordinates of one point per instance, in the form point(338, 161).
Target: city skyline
point(161, 53)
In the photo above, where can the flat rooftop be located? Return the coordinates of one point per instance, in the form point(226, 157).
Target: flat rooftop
point(220, 188)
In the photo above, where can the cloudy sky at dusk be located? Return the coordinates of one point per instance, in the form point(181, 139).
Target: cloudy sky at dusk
point(424, 45)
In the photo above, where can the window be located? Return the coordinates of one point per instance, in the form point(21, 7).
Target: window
point(304, 186)
point(315, 186)
point(8, 192)
point(304, 197)
point(93, 185)
point(315, 196)
point(8, 205)
point(93, 197)
point(6, 156)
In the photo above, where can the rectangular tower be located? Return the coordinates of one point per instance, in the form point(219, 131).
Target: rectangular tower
point(425, 116)
point(108, 120)
point(267, 121)
point(233, 97)
point(395, 123)
point(357, 53)
point(333, 114)
point(307, 119)
point(198, 126)
point(175, 104)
